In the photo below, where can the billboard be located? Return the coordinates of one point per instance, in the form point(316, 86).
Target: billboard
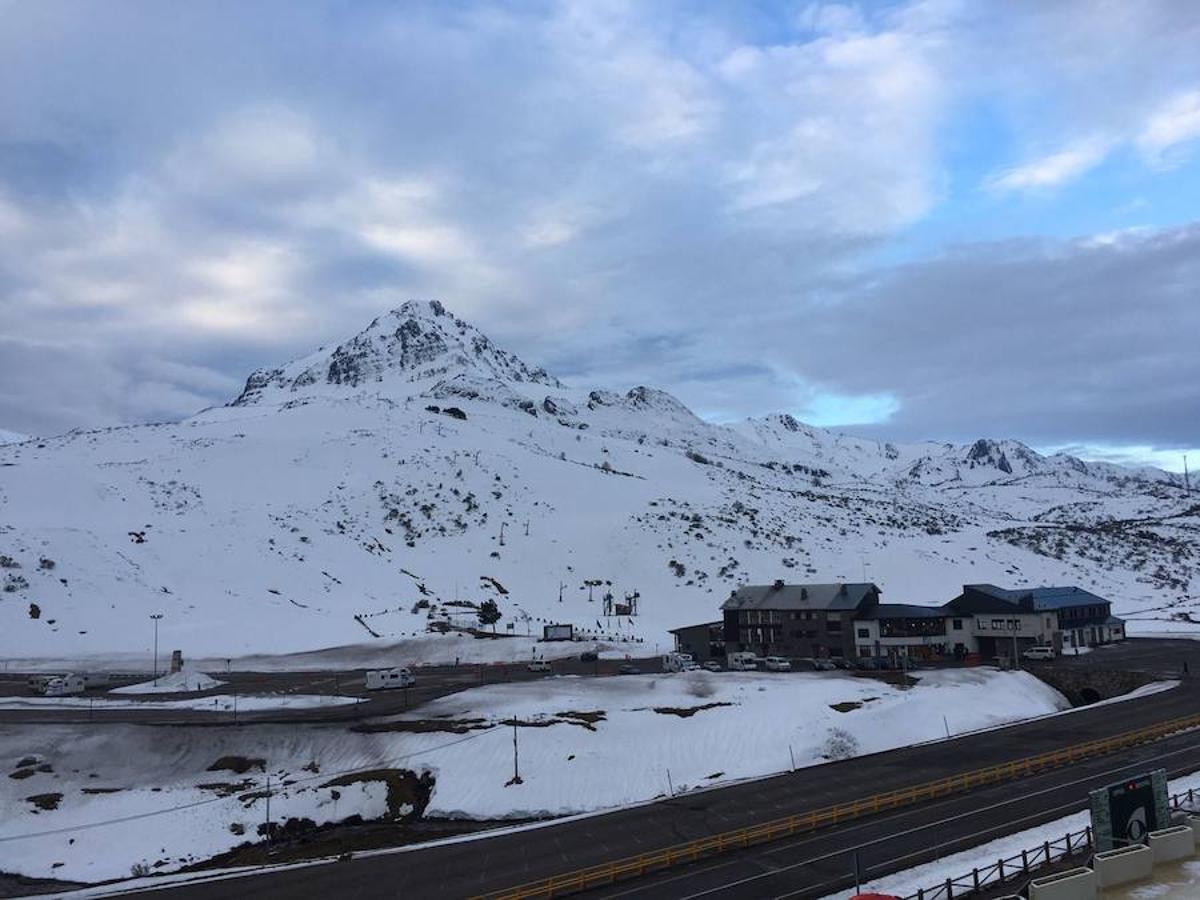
point(558, 632)
point(1125, 812)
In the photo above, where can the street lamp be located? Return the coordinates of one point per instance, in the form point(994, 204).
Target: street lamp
point(156, 617)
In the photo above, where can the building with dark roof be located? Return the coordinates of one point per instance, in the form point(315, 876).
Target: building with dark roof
point(891, 630)
point(704, 641)
point(796, 620)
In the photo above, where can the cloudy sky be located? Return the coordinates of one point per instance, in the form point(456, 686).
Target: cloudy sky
point(921, 220)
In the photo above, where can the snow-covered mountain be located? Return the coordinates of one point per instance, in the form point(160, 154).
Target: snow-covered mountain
point(11, 437)
point(376, 491)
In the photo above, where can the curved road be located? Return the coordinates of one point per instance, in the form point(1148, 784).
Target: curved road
point(807, 866)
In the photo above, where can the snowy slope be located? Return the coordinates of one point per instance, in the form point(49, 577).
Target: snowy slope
point(12, 437)
point(574, 757)
point(372, 492)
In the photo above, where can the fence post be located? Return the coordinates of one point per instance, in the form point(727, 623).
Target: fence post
point(1000, 870)
point(1068, 843)
point(975, 878)
point(1046, 846)
point(1025, 861)
point(949, 890)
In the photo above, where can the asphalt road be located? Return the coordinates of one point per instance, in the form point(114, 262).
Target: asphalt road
point(432, 682)
point(807, 866)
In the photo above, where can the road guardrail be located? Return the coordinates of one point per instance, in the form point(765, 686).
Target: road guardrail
point(802, 823)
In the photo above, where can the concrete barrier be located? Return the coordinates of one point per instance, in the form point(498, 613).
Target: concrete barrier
point(1193, 822)
point(1073, 884)
point(1173, 843)
point(1123, 865)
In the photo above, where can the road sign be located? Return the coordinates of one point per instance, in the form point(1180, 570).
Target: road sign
point(1125, 812)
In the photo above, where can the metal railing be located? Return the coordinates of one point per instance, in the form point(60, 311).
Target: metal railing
point(1023, 864)
point(802, 823)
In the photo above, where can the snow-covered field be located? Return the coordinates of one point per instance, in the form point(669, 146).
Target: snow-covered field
point(366, 493)
point(585, 744)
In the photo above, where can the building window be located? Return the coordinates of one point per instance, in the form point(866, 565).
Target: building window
point(833, 624)
point(958, 624)
point(998, 624)
point(864, 633)
point(864, 651)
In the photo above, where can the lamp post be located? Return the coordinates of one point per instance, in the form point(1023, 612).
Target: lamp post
point(156, 617)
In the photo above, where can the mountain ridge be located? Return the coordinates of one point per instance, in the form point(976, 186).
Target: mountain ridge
point(375, 491)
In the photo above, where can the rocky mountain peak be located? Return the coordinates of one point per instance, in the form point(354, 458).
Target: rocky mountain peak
point(418, 341)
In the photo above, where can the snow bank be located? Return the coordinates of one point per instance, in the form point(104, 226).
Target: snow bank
point(176, 682)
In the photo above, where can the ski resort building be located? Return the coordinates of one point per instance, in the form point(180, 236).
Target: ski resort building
point(704, 641)
point(889, 630)
point(848, 621)
point(797, 620)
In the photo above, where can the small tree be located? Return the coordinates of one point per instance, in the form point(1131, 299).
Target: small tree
point(489, 613)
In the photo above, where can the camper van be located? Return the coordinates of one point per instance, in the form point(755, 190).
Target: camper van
point(385, 679)
point(64, 685)
point(678, 662)
point(743, 661)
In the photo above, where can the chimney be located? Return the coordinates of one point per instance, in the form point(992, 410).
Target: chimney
point(779, 584)
point(842, 590)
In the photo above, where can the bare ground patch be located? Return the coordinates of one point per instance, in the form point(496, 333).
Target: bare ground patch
point(686, 712)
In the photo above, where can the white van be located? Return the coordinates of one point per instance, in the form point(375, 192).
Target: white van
point(743, 661)
point(777, 664)
point(1039, 653)
point(678, 662)
point(385, 679)
point(64, 685)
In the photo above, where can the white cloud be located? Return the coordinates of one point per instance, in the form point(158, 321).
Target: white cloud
point(1176, 122)
point(1054, 170)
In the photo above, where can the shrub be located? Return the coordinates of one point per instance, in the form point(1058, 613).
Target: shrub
point(840, 744)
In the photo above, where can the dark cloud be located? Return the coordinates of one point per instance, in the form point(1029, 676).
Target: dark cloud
point(624, 192)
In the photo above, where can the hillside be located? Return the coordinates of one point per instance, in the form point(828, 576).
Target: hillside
point(370, 493)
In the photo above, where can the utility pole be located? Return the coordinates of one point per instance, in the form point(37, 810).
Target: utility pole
point(1016, 626)
point(268, 808)
point(156, 617)
point(516, 779)
point(527, 521)
point(502, 524)
point(560, 590)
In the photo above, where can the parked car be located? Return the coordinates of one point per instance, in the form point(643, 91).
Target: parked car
point(589, 656)
point(64, 685)
point(386, 679)
point(778, 664)
point(538, 665)
point(711, 665)
point(742, 661)
point(629, 669)
point(823, 665)
point(678, 662)
point(1043, 653)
